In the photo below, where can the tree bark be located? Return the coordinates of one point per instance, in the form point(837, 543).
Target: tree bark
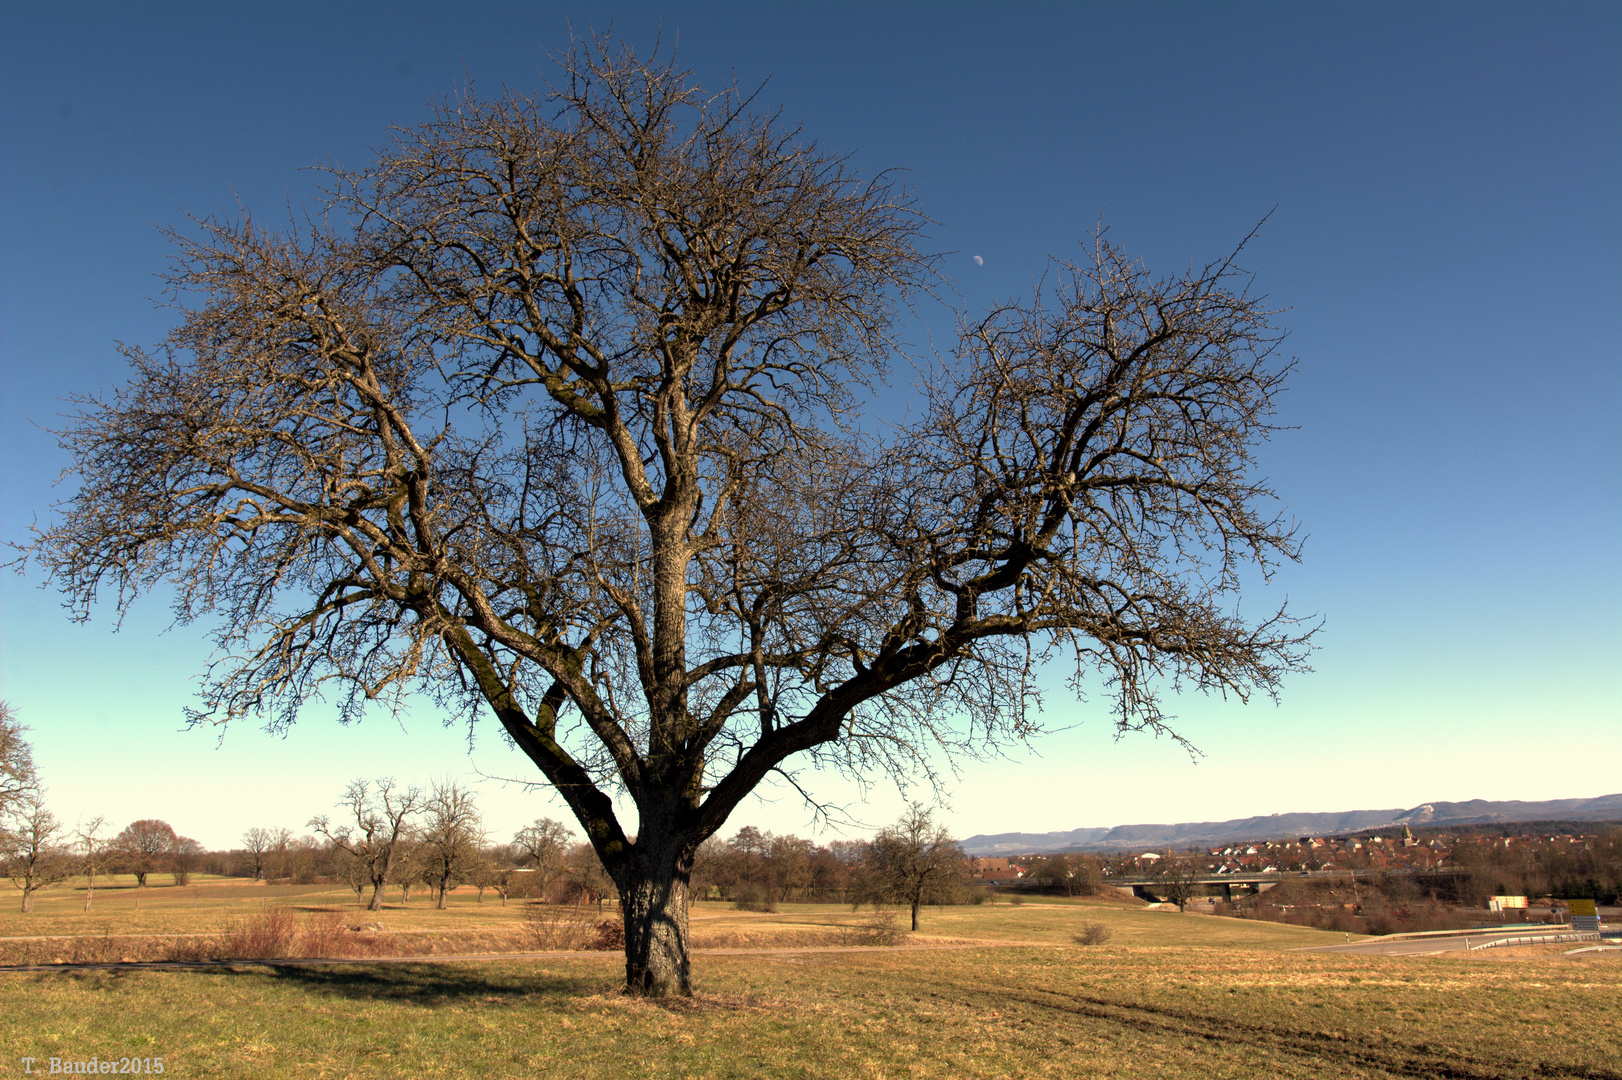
point(916, 904)
point(653, 888)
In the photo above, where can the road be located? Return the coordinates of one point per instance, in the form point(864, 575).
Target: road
point(1441, 943)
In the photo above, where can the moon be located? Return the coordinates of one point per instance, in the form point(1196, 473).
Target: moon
point(978, 261)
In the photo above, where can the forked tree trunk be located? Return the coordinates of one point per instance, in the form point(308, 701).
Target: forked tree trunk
point(653, 902)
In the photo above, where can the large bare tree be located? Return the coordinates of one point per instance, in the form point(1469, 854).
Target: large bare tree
point(555, 413)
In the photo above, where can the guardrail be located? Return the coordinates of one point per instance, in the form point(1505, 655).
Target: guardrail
point(1533, 939)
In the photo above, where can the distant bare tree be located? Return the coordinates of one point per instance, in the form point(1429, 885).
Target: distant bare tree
point(409, 867)
point(500, 870)
point(29, 854)
point(545, 845)
point(914, 862)
point(1175, 878)
point(555, 415)
point(381, 820)
point(183, 857)
point(451, 838)
point(257, 844)
point(89, 839)
point(145, 847)
point(281, 845)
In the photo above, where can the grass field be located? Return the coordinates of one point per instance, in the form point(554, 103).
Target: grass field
point(1168, 995)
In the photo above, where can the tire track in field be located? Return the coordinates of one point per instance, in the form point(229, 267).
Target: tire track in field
point(1396, 1060)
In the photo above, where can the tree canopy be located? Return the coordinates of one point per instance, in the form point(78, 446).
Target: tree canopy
point(555, 414)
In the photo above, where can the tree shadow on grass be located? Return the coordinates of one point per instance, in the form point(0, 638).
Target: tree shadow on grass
point(430, 984)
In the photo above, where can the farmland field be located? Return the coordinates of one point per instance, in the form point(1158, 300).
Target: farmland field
point(1166, 995)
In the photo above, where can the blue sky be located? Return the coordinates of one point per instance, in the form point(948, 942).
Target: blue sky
point(1447, 241)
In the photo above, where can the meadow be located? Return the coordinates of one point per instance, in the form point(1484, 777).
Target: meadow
point(1010, 994)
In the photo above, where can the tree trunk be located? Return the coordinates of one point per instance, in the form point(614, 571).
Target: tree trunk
point(377, 897)
point(28, 901)
point(653, 903)
point(916, 904)
point(440, 903)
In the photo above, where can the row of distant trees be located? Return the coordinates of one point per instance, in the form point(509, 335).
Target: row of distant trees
point(912, 863)
point(386, 835)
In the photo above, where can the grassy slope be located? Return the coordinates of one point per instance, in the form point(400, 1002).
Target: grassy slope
point(1169, 995)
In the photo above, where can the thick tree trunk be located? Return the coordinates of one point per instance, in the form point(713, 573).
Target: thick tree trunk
point(915, 906)
point(653, 902)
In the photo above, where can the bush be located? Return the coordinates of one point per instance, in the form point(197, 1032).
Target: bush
point(558, 928)
point(610, 936)
point(877, 929)
point(1093, 933)
point(265, 936)
point(276, 933)
point(753, 896)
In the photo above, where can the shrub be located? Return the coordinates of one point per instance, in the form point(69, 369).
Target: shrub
point(880, 928)
point(1093, 933)
point(610, 936)
point(269, 935)
point(558, 928)
point(276, 933)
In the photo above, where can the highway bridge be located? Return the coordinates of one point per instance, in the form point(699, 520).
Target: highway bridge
point(1227, 885)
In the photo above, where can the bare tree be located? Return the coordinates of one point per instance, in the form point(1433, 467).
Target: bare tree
point(183, 857)
point(554, 414)
point(17, 779)
point(545, 845)
point(145, 847)
point(276, 856)
point(89, 837)
point(258, 843)
point(351, 870)
point(29, 854)
point(381, 821)
point(1175, 878)
point(451, 839)
point(914, 862)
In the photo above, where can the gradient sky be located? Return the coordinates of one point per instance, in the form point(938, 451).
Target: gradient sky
point(1446, 241)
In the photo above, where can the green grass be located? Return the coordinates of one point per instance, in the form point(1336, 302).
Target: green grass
point(1171, 995)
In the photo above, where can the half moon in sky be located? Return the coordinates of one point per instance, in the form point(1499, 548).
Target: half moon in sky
point(978, 261)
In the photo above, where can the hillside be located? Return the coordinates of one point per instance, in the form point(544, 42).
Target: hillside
point(1184, 834)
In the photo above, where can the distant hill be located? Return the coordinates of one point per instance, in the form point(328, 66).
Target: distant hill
point(1190, 833)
